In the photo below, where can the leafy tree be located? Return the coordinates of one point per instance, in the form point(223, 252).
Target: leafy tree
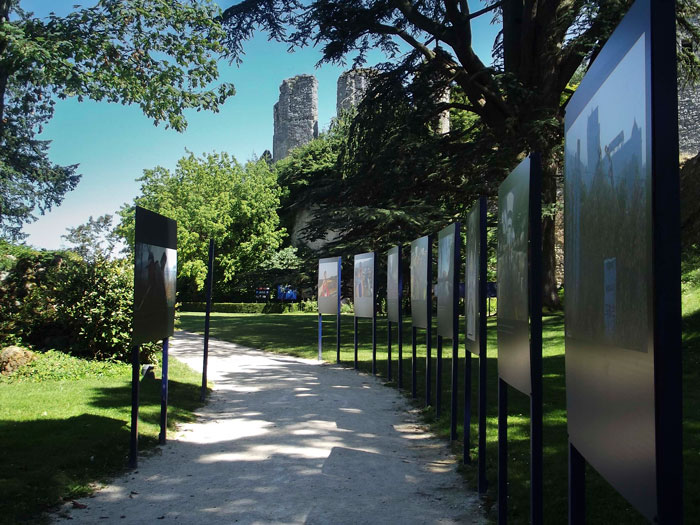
point(519, 100)
point(93, 240)
point(213, 197)
point(159, 55)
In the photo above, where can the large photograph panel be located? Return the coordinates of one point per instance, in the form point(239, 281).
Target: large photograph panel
point(608, 221)
point(420, 291)
point(155, 276)
point(393, 284)
point(328, 285)
point(447, 247)
point(363, 300)
point(471, 279)
point(513, 309)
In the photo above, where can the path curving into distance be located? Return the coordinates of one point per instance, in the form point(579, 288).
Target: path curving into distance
point(288, 440)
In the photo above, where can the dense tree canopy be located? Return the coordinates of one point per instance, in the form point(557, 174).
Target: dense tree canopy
point(159, 55)
point(519, 99)
point(213, 197)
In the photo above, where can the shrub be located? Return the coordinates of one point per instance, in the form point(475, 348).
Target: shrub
point(245, 308)
point(53, 299)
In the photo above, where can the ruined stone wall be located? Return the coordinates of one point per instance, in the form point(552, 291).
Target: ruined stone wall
point(352, 86)
point(689, 121)
point(295, 115)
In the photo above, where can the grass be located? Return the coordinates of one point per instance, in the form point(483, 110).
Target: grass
point(64, 426)
point(296, 334)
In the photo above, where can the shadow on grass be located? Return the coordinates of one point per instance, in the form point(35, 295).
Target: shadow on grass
point(44, 460)
point(183, 398)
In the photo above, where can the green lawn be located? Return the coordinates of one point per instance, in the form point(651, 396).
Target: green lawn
point(64, 424)
point(296, 334)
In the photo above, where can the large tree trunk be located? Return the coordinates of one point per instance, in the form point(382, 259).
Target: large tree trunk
point(550, 296)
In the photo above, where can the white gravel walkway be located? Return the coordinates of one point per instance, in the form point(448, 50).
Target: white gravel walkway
point(288, 440)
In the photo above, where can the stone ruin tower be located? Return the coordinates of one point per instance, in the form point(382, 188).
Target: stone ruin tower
point(352, 86)
point(296, 115)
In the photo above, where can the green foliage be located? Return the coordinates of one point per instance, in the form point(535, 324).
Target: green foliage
point(159, 55)
point(213, 197)
point(58, 299)
point(252, 308)
point(93, 240)
point(58, 366)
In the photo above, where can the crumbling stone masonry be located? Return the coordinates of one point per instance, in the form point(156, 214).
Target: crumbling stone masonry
point(295, 115)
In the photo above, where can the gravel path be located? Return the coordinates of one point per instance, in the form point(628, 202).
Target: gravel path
point(288, 440)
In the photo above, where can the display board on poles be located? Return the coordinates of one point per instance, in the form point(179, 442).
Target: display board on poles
point(513, 267)
point(393, 284)
point(622, 264)
point(155, 273)
point(329, 286)
point(363, 285)
point(447, 280)
point(520, 319)
point(421, 295)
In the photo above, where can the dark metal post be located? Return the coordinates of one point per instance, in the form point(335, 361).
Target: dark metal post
point(374, 345)
point(666, 242)
point(337, 336)
point(502, 452)
point(355, 324)
point(577, 487)
point(400, 343)
point(320, 337)
point(414, 363)
point(467, 405)
point(482, 483)
point(337, 319)
point(164, 395)
point(388, 352)
point(134, 439)
point(428, 364)
point(536, 419)
point(209, 285)
point(453, 393)
point(438, 378)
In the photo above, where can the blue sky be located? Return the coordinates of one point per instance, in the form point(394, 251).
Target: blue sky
point(114, 144)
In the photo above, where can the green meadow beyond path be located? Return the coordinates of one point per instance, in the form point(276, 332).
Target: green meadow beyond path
point(288, 440)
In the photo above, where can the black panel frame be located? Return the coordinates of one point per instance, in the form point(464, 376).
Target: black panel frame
point(662, 499)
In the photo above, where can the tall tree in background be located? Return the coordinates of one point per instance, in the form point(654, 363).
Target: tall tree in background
point(159, 55)
point(519, 100)
point(213, 197)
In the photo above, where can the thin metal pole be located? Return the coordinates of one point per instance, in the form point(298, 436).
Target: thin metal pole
point(577, 487)
point(502, 452)
point(320, 337)
point(374, 345)
point(428, 364)
point(453, 393)
point(355, 328)
point(438, 378)
point(482, 483)
point(414, 364)
point(536, 419)
point(388, 352)
point(134, 438)
point(164, 395)
point(337, 337)
point(400, 343)
point(209, 286)
point(467, 405)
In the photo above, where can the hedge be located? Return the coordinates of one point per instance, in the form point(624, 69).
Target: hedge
point(248, 308)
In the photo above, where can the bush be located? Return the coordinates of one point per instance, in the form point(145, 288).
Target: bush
point(252, 308)
point(53, 299)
